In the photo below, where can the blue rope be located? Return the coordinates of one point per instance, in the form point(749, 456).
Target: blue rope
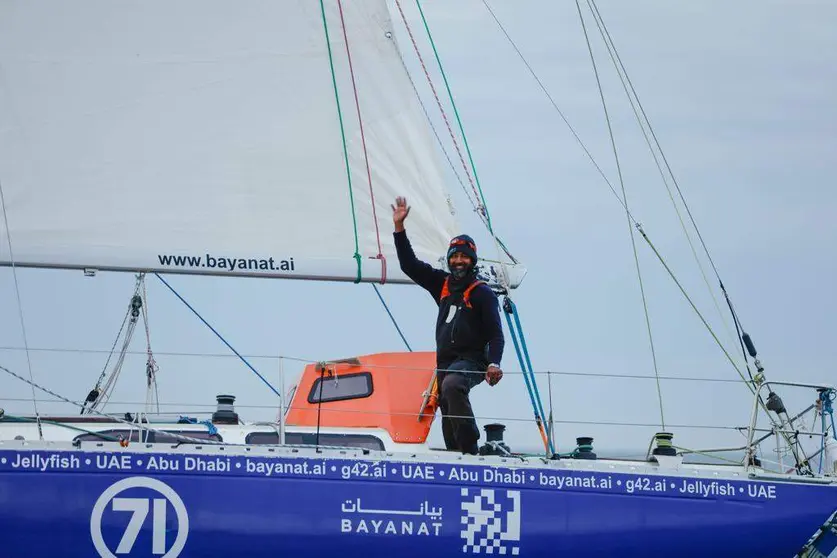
point(528, 362)
point(221, 337)
point(531, 385)
point(391, 317)
point(192, 420)
point(522, 367)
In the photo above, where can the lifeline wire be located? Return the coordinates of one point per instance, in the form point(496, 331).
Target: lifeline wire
point(312, 361)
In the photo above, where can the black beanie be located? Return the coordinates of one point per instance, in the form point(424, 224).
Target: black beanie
point(465, 244)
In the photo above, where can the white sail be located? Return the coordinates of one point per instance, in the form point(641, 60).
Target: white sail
point(202, 136)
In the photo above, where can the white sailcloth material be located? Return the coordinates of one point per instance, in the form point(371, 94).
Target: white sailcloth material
point(202, 136)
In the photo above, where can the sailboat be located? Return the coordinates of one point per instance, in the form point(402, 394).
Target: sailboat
point(268, 139)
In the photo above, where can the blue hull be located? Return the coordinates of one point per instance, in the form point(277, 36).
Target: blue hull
point(124, 503)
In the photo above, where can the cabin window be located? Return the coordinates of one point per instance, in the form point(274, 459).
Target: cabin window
point(364, 441)
point(341, 388)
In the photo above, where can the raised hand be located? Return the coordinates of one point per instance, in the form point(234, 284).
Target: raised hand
point(399, 212)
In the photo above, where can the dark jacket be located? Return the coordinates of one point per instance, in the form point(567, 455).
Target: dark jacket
point(474, 333)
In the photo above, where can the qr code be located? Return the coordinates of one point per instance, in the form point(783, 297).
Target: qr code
point(491, 521)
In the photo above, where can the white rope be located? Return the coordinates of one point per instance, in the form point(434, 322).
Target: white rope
point(151, 365)
point(105, 394)
point(110, 383)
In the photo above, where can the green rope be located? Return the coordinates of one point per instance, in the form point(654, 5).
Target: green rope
point(456, 113)
point(345, 146)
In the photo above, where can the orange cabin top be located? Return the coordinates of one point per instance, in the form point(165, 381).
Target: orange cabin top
point(384, 390)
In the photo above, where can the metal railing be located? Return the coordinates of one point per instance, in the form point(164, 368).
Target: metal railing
point(784, 428)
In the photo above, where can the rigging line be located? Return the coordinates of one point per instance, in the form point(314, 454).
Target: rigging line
point(554, 104)
point(130, 320)
point(391, 317)
point(620, 70)
point(105, 394)
point(20, 308)
point(343, 139)
point(436, 134)
point(439, 104)
point(739, 330)
point(662, 154)
point(151, 367)
point(151, 364)
point(360, 124)
point(456, 113)
point(113, 347)
point(474, 203)
point(627, 215)
point(739, 333)
point(708, 327)
point(481, 209)
point(114, 418)
point(592, 159)
point(694, 224)
point(221, 337)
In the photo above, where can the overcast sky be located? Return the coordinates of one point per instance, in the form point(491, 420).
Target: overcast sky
point(742, 98)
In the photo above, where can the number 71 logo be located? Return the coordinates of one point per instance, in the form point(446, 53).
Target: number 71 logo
point(139, 509)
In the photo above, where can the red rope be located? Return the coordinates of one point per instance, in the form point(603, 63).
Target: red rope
point(439, 103)
point(380, 255)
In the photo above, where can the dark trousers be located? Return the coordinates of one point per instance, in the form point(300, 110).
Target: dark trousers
point(459, 427)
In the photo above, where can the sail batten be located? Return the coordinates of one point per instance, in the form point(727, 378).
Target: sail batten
point(146, 130)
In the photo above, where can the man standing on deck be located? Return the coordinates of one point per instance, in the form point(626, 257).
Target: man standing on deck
point(469, 334)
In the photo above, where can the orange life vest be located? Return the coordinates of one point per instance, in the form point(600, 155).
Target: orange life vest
point(466, 296)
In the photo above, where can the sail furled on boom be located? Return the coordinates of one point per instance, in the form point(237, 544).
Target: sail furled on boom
point(204, 137)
